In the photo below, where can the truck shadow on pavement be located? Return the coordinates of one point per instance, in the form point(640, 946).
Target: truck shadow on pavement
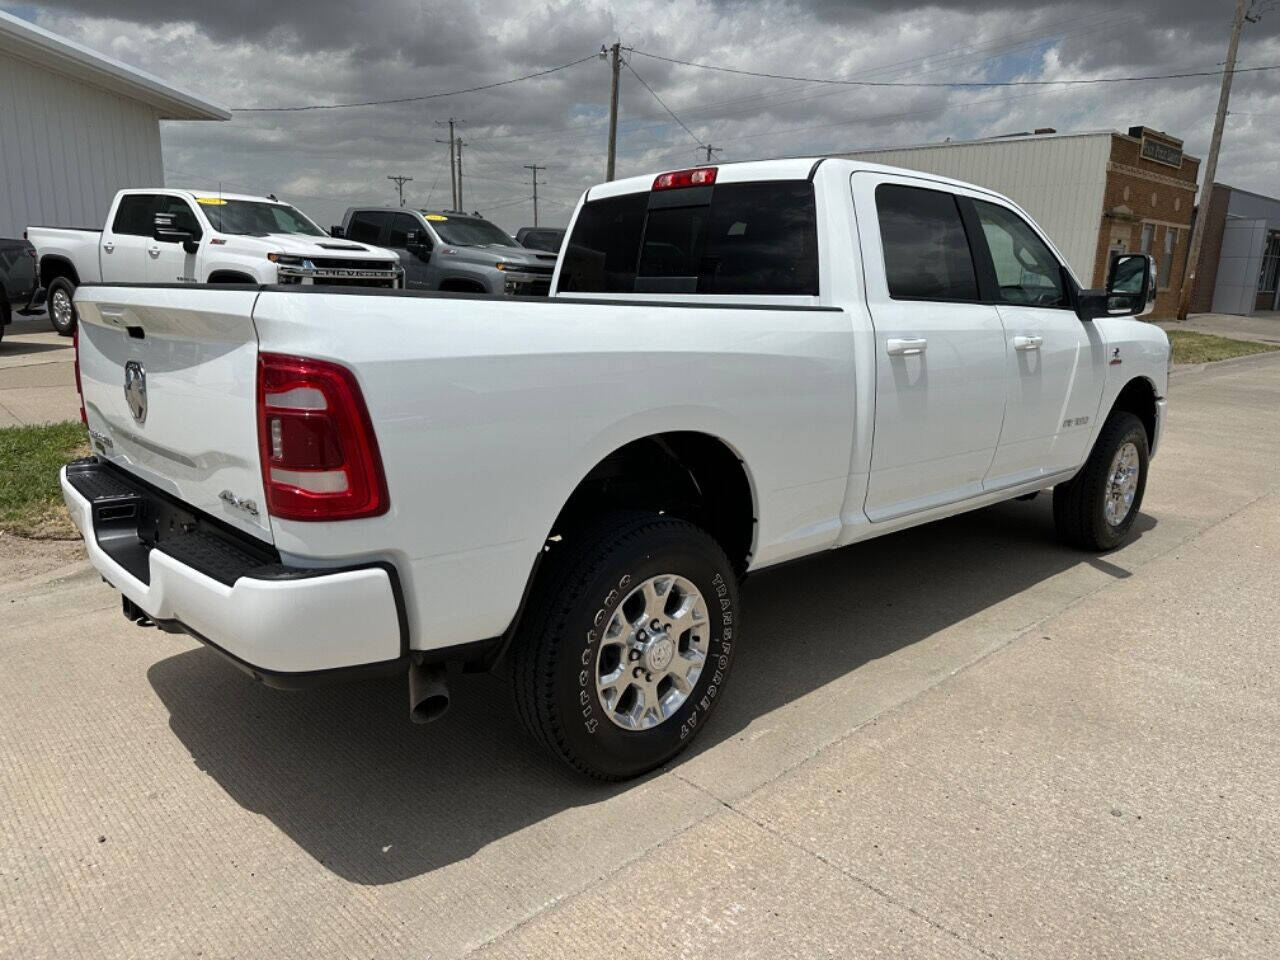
point(376, 799)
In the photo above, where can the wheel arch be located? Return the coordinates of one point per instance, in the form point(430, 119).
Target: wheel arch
point(1138, 397)
point(462, 285)
point(54, 265)
point(230, 276)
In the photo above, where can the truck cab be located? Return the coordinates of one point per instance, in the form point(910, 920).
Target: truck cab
point(452, 251)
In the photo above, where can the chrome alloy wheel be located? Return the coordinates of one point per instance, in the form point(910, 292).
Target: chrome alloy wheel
point(61, 307)
point(1122, 484)
point(652, 652)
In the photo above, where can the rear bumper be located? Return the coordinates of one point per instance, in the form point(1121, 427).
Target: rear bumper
point(287, 626)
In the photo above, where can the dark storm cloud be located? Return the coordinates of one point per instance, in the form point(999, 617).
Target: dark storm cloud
point(256, 53)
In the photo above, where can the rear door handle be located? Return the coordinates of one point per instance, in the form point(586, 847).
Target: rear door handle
point(154, 251)
point(1027, 343)
point(905, 346)
point(108, 246)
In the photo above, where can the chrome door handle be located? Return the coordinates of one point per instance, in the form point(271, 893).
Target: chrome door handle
point(108, 246)
point(1027, 343)
point(905, 346)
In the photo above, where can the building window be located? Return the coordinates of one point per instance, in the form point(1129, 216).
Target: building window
point(1270, 273)
point(1166, 262)
point(1148, 231)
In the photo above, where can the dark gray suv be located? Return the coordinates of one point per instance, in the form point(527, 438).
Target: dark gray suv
point(447, 250)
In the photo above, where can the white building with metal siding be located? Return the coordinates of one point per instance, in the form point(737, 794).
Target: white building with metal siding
point(1060, 179)
point(75, 127)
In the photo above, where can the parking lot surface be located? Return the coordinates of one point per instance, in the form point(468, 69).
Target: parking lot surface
point(37, 375)
point(960, 741)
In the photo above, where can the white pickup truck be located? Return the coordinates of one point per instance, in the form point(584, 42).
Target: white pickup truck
point(180, 236)
point(738, 365)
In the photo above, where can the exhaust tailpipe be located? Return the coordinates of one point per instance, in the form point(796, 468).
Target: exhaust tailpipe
point(428, 692)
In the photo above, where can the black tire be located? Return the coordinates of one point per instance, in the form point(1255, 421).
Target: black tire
point(555, 655)
point(1080, 504)
point(6, 314)
point(60, 286)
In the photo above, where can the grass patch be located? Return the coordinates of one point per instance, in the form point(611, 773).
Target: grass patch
point(1191, 347)
point(30, 498)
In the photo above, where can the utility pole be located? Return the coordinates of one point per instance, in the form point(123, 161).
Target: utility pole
point(460, 205)
point(535, 168)
point(710, 150)
point(400, 182)
point(455, 161)
point(1211, 164)
point(615, 54)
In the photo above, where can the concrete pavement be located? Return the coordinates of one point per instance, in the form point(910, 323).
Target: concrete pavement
point(37, 377)
point(1263, 326)
point(959, 741)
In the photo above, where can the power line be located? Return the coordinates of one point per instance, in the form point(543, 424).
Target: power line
point(965, 83)
point(425, 96)
point(696, 138)
point(400, 181)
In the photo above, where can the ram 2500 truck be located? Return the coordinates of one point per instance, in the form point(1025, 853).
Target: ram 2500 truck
point(451, 251)
point(739, 365)
point(181, 236)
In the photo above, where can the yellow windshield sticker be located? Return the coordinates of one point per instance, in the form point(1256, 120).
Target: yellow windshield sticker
point(436, 218)
point(211, 201)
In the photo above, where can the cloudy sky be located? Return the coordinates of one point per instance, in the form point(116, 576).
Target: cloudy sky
point(248, 53)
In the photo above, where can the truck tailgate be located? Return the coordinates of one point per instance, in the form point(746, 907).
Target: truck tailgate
point(169, 376)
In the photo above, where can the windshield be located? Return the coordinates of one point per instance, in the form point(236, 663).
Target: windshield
point(256, 217)
point(470, 232)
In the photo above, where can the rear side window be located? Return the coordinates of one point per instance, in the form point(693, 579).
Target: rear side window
point(366, 226)
point(751, 239)
point(134, 215)
point(926, 252)
point(600, 256)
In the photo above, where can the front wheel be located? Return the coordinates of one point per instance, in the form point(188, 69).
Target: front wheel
point(1096, 508)
point(629, 646)
point(62, 308)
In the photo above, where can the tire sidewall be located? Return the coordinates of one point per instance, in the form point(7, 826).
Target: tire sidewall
point(62, 283)
point(1131, 431)
point(588, 730)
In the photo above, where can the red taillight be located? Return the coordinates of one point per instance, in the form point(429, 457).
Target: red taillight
point(75, 346)
point(698, 177)
point(319, 455)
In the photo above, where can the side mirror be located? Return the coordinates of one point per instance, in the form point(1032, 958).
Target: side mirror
point(414, 244)
point(164, 230)
point(337, 233)
point(1130, 291)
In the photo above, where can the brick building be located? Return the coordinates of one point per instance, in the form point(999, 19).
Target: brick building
point(1093, 192)
point(1239, 268)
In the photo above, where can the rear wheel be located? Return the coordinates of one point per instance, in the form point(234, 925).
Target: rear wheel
point(629, 645)
point(62, 308)
point(1095, 510)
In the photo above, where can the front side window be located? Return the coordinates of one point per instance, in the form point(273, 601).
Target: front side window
point(184, 218)
point(1166, 261)
point(134, 215)
point(401, 226)
point(926, 252)
point(256, 218)
point(1027, 272)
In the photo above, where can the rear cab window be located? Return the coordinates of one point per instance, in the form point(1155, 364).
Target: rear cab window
point(732, 239)
point(134, 215)
point(366, 225)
